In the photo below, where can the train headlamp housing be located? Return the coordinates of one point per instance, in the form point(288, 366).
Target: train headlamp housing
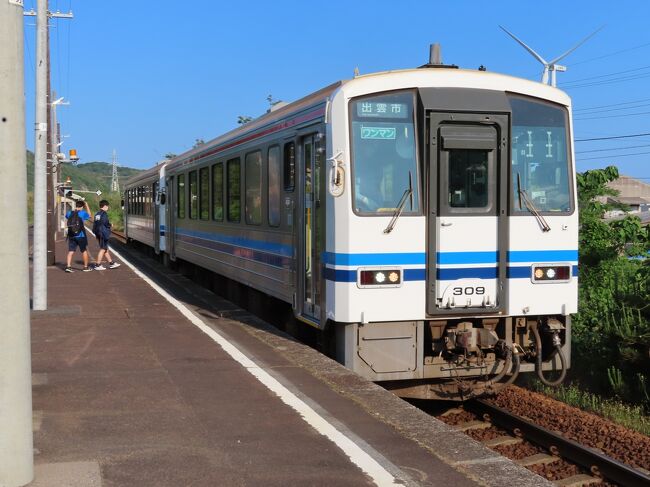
point(551, 273)
point(379, 277)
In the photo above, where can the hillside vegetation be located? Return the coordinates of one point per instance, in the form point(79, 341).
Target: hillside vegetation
point(91, 176)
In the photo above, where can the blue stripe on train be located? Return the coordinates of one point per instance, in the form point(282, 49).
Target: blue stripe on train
point(415, 258)
point(240, 242)
point(275, 260)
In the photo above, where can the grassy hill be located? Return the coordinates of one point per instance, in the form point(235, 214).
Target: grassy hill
point(91, 176)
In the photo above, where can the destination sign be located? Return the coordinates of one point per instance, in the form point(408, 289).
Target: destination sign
point(383, 110)
point(384, 133)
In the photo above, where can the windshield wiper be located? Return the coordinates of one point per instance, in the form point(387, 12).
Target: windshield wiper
point(531, 206)
point(408, 194)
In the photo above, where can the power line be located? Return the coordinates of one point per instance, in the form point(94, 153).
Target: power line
point(612, 116)
point(613, 137)
point(570, 82)
point(610, 54)
point(613, 148)
point(616, 156)
point(606, 82)
point(590, 111)
point(611, 105)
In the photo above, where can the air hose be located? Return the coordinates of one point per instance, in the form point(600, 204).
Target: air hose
point(516, 362)
point(538, 359)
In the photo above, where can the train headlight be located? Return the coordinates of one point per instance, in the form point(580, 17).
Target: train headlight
point(380, 277)
point(551, 273)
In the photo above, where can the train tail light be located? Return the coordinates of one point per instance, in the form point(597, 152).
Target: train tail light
point(551, 273)
point(380, 277)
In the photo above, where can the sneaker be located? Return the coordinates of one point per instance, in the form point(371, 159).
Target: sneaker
point(100, 268)
point(114, 265)
point(88, 269)
point(69, 269)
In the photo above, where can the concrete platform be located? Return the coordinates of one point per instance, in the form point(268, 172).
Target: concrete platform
point(129, 391)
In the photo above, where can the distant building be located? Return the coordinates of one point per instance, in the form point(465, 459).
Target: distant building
point(634, 194)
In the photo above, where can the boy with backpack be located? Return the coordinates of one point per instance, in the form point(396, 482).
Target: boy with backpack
point(102, 230)
point(77, 234)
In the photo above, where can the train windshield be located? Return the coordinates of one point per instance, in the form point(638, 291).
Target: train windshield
point(540, 157)
point(384, 153)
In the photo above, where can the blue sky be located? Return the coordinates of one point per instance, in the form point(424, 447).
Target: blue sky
point(149, 77)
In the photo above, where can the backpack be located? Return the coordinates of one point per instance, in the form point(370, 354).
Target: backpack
point(97, 223)
point(75, 224)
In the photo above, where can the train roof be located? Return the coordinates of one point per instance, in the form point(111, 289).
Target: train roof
point(268, 118)
point(376, 82)
point(149, 174)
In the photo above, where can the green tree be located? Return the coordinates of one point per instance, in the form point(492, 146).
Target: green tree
point(611, 332)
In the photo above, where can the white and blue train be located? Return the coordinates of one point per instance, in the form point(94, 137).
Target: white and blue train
point(425, 220)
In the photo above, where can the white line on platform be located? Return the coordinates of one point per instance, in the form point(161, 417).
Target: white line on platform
point(357, 455)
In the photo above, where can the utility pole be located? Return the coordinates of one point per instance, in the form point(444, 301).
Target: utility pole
point(16, 441)
point(115, 184)
point(43, 187)
point(39, 281)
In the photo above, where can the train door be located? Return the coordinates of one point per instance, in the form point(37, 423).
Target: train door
point(467, 254)
point(311, 233)
point(162, 212)
point(156, 218)
point(170, 217)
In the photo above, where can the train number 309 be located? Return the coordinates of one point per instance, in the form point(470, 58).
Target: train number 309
point(468, 291)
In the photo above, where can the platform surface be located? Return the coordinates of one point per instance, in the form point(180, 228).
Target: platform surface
point(127, 391)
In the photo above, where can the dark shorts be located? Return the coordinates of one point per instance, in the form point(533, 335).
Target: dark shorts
point(74, 242)
point(103, 242)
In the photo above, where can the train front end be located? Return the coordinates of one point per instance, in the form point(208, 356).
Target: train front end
point(452, 256)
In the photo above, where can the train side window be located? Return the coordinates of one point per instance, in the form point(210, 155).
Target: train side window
point(234, 190)
point(274, 185)
point(194, 196)
point(217, 192)
point(289, 166)
point(181, 195)
point(204, 193)
point(254, 188)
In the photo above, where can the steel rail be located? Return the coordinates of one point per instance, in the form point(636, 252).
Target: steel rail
point(596, 462)
point(119, 235)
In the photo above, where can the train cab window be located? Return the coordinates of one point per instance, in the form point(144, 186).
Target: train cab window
point(194, 196)
point(540, 170)
point(468, 178)
point(217, 192)
point(384, 154)
point(181, 195)
point(274, 196)
point(254, 188)
point(204, 193)
point(234, 190)
point(289, 166)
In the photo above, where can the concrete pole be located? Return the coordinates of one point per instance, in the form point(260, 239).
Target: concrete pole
point(39, 281)
point(16, 444)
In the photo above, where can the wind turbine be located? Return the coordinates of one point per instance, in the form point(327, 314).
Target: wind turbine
point(551, 66)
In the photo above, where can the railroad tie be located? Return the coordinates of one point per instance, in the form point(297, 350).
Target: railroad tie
point(578, 481)
point(502, 441)
point(537, 459)
point(473, 425)
point(451, 411)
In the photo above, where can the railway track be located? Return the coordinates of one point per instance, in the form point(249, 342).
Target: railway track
point(595, 467)
point(119, 236)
